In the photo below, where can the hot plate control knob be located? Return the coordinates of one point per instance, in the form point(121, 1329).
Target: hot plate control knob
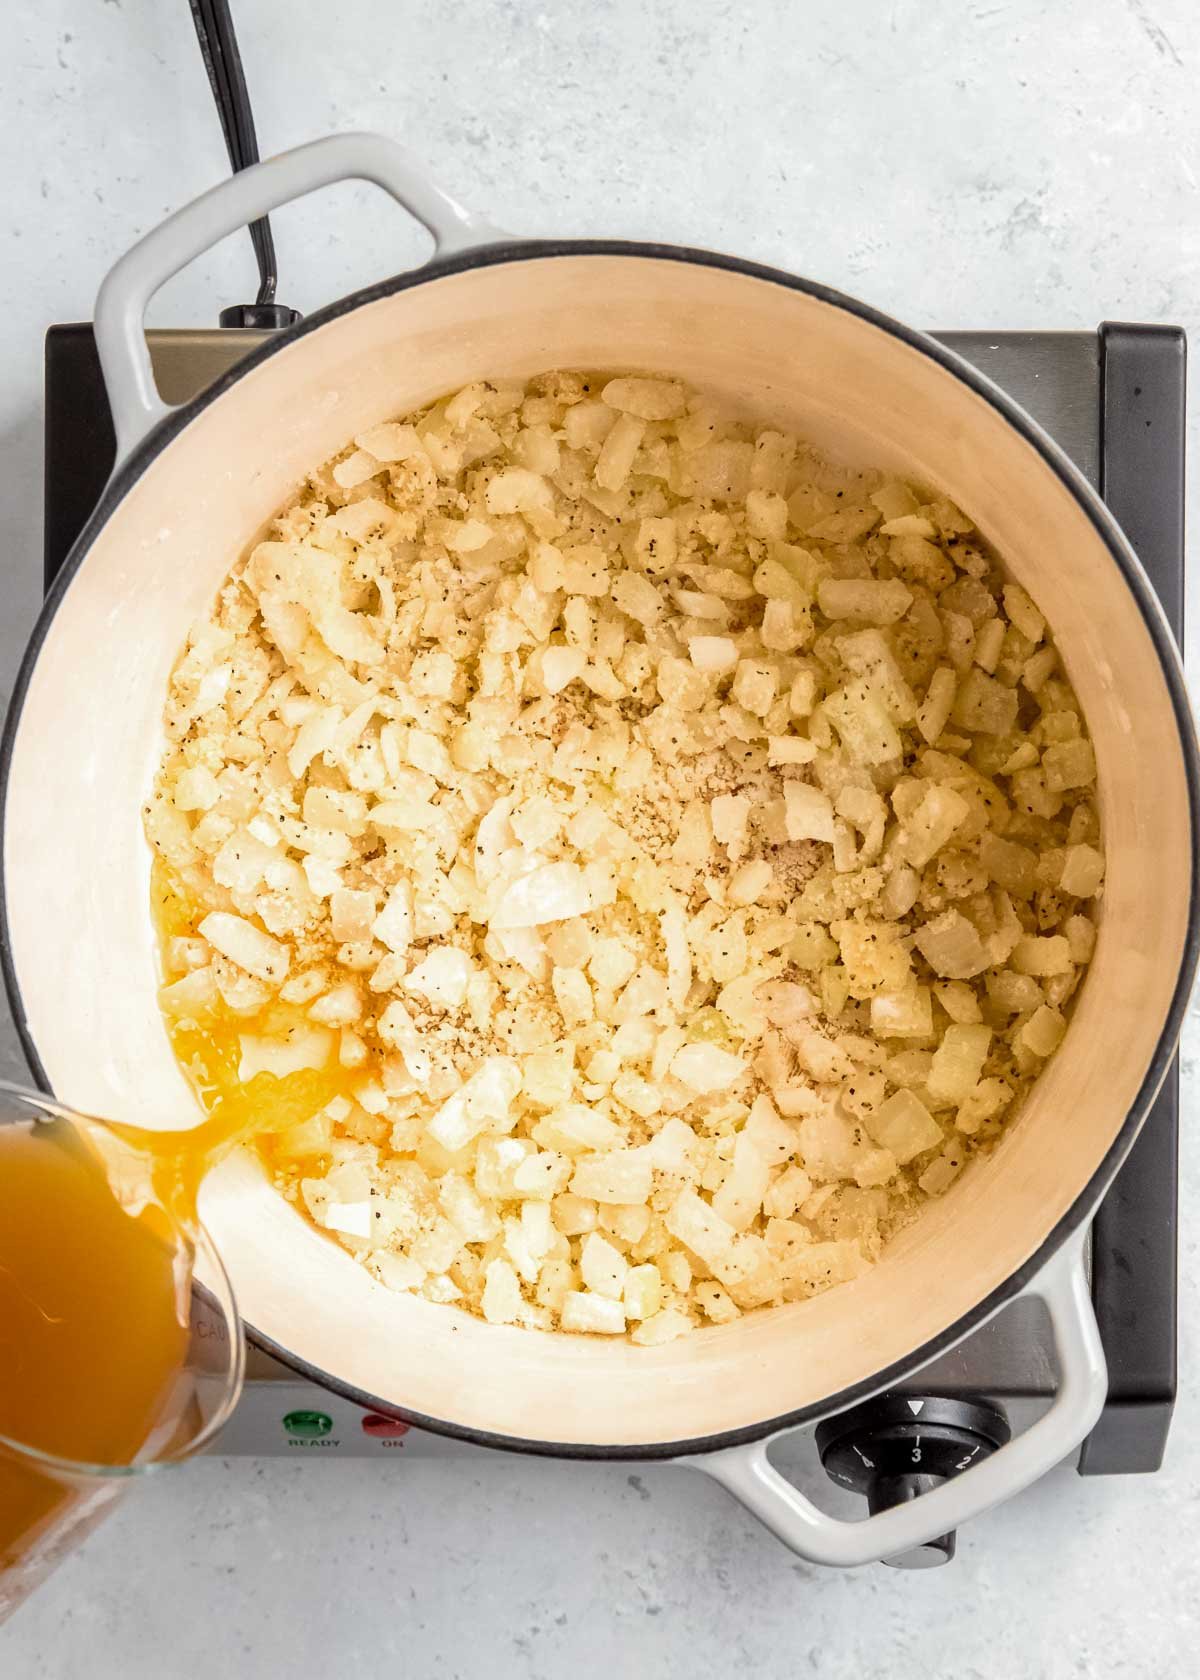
point(899, 1446)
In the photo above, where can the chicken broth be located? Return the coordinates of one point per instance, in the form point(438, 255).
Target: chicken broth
point(96, 1250)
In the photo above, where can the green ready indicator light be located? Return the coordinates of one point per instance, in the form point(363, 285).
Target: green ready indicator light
point(309, 1424)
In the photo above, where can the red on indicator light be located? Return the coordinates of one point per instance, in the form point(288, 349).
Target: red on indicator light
point(380, 1427)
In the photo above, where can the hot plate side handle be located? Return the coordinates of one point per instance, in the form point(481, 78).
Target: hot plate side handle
point(249, 195)
point(814, 1535)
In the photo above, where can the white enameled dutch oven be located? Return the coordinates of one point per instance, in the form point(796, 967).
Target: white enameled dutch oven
point(194, 486)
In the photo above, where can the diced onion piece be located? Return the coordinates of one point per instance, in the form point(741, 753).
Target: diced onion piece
point(872, 600)
point(649, 399)
point(577, 1126)
point(952, 947)
point(299, 1048)
point(939, 1175)
point(958, 1000)
point(706, 1068)
point(1022, 612)
point(932, 824)
point(790, 749)
point(679, 958)
point(248, 946)
point(989, 641)
point(585, 571)
point(700, 1228)
point(859, 713)
point(542, 1176)
point(517, 490)
point(642, 1291)
point(740, 1198)
point(441, 978)
point(623, 1175)
point(750, 883)
point(1043, 1032)
point(958, 1063)
point(553, 892)
point(808, 813)
point(390, 441)
point(933, 714)
point(602, 1267)
point(655, 545)
point(730, 818)
point(754, 685)
point(716, 1304)
point(196, 789)
point(731, 1257)
point(353, 1219)
point(470, 536)
point(591, 1314)
point(637, 596)
point(618, 451)
point(192, 997)
point(501, 1293)
point(803, 694)
point(1080, 935)
point(1082, 872)
point(984, 704)
point(661, 1327)
point(393, 925)
point(483, 1101)
point(1042, 957)
point(340, 1006)
point(903, 1126)
point(1011, 865)
point(989, 1099)
point(356, 469)
point(903, 1014)
point(822, 1265)
point(1069, 764)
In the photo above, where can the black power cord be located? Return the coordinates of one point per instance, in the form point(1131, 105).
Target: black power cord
point(223, 61)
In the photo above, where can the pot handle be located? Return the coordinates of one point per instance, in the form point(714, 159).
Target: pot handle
point(129, 286)
point(1083, 1386)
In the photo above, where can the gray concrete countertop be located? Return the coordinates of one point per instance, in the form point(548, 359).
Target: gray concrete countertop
point(1002, 163)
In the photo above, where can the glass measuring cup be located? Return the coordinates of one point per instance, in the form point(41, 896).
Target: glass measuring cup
point(115, 1360)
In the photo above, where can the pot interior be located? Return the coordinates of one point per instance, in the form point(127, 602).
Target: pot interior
point(89, 738)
